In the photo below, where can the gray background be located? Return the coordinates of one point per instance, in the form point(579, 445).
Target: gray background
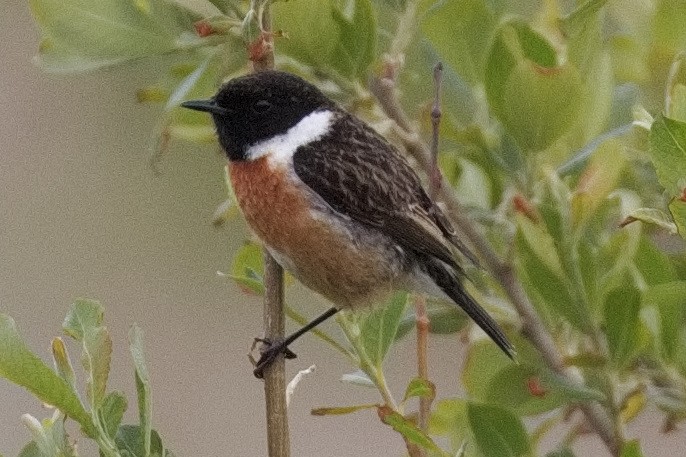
point(82, 214)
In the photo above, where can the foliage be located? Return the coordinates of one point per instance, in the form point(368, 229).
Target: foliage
point(101, 416)
point(548, 136)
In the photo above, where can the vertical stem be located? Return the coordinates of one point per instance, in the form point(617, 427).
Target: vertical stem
point(435, 172)
point(278, 439)
point(422, 363)
point(264, 59)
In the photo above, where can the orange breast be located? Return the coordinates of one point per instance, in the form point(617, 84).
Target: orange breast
point(327, 259)
point(270, 204)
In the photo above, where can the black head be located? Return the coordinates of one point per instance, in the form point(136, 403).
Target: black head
point(258, 106)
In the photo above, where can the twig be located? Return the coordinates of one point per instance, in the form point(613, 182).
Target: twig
point(262, 50)
point(278, 438)
point(422, 320)
point(434, 170)
point(533, 327)
point(420, 302)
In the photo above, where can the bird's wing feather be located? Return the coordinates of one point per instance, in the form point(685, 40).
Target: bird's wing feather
point(359, 174)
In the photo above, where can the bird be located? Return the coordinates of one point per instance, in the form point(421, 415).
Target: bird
point(334, 202)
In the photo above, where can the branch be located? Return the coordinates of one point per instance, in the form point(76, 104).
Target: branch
point(422, 360)
point(278, 439)
point(533, 328)
point(434, 170)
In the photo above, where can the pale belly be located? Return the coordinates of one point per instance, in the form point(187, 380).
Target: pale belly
point(349, 265)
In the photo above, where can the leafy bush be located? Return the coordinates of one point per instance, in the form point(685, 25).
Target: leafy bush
point(558, 175)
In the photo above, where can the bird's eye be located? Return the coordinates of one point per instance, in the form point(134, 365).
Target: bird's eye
point(262, 107)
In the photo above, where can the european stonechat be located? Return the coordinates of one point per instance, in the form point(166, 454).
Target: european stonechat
point(333, 201)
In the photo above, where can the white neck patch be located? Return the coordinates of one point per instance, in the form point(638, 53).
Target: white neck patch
point(280, 149)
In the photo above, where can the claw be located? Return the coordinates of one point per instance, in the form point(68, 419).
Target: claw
point(269, 351)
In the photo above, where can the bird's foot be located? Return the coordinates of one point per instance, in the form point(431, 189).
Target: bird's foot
point(268, 353)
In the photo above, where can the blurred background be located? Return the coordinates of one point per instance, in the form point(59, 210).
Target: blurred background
point(85, 214)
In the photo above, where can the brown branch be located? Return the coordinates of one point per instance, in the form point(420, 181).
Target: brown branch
point(434, 170)
point(276, 407)
point(278, 441)
point(533, 328)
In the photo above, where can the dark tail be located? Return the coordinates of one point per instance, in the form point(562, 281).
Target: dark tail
point(449, 282)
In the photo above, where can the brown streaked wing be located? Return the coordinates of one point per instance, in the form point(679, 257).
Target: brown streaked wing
point(359, 174)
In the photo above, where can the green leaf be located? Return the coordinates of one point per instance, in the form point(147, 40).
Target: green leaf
point(631, 449)
point(461, 32)
point(378, 328)
point(529, 390)
point(579, 19)
point(221, 5)
point(652, 216)
point(677, 208)
point(84, 323)
point(537, 256)
point(66, 447)
point(188, 87)
point(588, 267)
point(247, 269)
point(565, 452)
point(653, 263)
point(629, 59)
point(63, 363)
point(84, 316)
point(420, 388)
point(668, 152)
point(443, 319)
point(633, 404)
point(540, 104)
point(514, 42)
point(327, 37)
point(142, 386)
point(20, 366)
point(198, 80)
point(541, 244)
point(111, 412)
point(622, 306)
point(677, 109)
point(598, 180)
point(670, 300)
point(358, 378)
point(49, 436)
point(83, 34)
point(341, 410)
point(583, 29)
point(482, 364)
point(357, 40)
point(667, 24)
point(31, 450)
point(449, 419)
point(130, 439)
point(410, 432)
point(616, 260)
point(497, 431)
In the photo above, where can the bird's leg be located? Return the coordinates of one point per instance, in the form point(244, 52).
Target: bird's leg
point(273, 348)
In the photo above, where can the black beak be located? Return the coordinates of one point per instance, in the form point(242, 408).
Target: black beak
point(208, 106)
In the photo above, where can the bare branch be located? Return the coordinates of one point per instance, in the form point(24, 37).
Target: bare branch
point(278, 439)
point(434, 170)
